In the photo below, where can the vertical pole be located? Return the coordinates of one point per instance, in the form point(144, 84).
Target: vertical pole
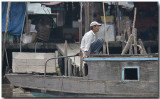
point(56, 60)
point(92, 11)
point(27, 26)
point(86, 10)
point(118, 20)
point(135, 32)
point(6, 28)
point(135, 40)
point(65, 60)
point(81, 64)
point(22, 33)
point(80, 30)
point(105, 29)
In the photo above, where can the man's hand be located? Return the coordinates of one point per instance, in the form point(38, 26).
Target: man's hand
point(85, 55)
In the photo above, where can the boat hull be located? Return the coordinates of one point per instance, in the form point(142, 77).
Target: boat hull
point(81, 87)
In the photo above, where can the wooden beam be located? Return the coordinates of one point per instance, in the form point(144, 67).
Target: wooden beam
point(135, 40)
point(86, 10)
point(129, 33)
point(130, 40)
point(143, 49)
point(134, 20)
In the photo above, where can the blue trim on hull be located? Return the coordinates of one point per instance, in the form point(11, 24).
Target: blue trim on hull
point(121, 59)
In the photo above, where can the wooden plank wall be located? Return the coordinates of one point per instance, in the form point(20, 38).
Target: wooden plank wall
point(32, 62)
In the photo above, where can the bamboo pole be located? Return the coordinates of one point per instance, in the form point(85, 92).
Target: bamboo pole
point(6, 28)
point(105, 29)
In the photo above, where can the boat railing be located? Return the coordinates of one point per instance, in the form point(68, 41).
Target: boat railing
point(55, 58)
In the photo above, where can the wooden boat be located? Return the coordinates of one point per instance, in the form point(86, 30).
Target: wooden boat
point(108, 76)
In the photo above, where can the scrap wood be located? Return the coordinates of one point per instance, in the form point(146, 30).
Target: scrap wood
point(129, 43)
point(143, 49)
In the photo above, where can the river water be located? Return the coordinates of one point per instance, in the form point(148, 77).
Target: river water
point(8, 92)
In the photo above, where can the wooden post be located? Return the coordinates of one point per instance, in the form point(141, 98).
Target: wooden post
point(105, 29)
point(135, 40)
point(104, 48)
point(80, 30)
point(130, 40)
point(134, 20)
point(129, 33)
point(56, 64)
point(118, 21)
point(86, 10)
point(80, 36)
point(123, 39)
point(134, 32)
point(128, 27)
point(92, 11)
point(65, 60)
point(80, 24)
point(81, 64)
point(27, 25)
point(69, 67)
point(6, 28)
point(141, 44)
point(56, 60)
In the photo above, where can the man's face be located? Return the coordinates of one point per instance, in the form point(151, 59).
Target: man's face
point(96, 28)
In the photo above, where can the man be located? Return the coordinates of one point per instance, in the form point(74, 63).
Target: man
point(88, 44)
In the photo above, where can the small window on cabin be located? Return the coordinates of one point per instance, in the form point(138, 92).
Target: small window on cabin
point(130, 74)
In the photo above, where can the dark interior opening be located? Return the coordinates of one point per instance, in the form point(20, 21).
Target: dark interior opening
point(130, 74)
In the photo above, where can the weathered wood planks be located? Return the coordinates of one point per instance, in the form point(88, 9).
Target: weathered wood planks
point(32, 62)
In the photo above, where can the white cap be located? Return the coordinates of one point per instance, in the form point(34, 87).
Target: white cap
point(95, 23)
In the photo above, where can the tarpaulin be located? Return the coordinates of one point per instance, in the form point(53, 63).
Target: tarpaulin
point(16, 17)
